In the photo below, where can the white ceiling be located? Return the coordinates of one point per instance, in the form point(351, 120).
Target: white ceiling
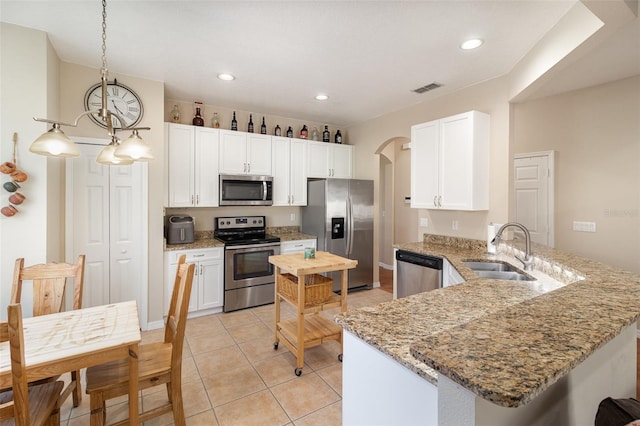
point(367, 56)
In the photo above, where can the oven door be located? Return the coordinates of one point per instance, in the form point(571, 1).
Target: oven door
point(248, 265)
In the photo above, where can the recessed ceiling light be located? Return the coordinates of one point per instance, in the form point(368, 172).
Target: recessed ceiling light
point(471, 44)
point(226, 77)
point(322, 97)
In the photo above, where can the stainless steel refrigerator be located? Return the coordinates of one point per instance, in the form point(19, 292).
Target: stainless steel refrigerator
point(340, 213)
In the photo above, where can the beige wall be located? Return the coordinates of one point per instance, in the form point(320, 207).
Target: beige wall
point(596, 135)
point(75, 80)
point(28, 87)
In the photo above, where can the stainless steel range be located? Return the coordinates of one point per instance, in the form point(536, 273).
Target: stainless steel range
point(249, 278)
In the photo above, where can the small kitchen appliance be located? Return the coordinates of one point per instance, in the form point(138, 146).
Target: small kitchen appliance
point(180, 230)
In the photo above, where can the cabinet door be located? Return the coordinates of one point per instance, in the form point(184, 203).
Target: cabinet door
point(318, 159)
point(258, 154)
point(456, 162)
point(342, 163)
point(298, 172)
point(424, 165)
point(233, 152)
point(210, 284)
point(180, 154)
point(206, 164)
point(464, 161)
point(170, 276)
point(281, 176)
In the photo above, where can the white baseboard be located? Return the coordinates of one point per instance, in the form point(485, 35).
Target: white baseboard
point(154, 325)
point(385, 266)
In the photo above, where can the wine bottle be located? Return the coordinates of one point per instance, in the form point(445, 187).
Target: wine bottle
point(215, 122)
point(325, 134)
point(338, 137)
point(263, 128)
point(197, 120)
point(277, 131)
point(234, 122)
point(304, 132)
point(289, 132)
point(250, 126)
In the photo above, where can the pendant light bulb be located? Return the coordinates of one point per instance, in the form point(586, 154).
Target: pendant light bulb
point(54, 143)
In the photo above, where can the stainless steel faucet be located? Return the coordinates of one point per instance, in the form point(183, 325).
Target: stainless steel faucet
point(527, 261)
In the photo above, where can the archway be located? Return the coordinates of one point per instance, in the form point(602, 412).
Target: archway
point(398, 222)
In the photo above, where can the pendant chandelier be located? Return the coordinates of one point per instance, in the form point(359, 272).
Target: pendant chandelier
point(55, 143)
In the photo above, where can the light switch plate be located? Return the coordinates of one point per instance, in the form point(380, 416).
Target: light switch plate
point(424, 222)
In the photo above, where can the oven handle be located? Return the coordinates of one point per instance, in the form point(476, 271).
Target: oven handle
point(252, 246)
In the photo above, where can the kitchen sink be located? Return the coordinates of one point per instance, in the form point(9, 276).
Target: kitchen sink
point(504, 275)
point(497, 270)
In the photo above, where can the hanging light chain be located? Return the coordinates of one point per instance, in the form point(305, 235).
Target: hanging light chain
point(104, 34)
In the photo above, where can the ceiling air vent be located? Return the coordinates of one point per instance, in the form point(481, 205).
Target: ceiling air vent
point(428, 87)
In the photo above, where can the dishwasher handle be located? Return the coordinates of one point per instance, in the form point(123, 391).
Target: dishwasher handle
point(419, 259)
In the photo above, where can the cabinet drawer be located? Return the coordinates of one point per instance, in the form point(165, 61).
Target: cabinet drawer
point(196, 255)
point(296, 246)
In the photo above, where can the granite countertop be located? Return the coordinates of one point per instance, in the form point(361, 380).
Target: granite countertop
point(506, 341)
point(204, 239)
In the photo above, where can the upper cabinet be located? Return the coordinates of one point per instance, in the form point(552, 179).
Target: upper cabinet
point(245, 153)
point(328, 160)
point(450, 163)
point(289, 171)
point(192, 164)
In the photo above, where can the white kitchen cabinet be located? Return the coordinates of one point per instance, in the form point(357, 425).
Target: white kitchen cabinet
point(296, 246)
point(192, 164)
point(450, 163)
point(207, 292)
point(244, 153)
point(289, 171)
point(329, 160)
point(450, 276)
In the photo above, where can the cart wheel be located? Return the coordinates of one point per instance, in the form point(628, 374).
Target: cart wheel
point(275, 346)
point(340, 357)
point(298, 372)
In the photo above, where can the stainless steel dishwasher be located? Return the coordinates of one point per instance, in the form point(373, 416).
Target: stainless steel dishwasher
point(417, 273)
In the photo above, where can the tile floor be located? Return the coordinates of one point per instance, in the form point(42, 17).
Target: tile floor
point(231, 374)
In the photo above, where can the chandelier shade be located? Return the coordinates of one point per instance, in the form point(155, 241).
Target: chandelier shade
point(54, 143)
point(107, 156)
point(134, 148)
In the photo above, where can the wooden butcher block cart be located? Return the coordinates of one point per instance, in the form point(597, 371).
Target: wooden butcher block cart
point(298, 282)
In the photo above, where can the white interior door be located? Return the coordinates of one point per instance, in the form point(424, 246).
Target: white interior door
point(533, 183)
point(106, 221)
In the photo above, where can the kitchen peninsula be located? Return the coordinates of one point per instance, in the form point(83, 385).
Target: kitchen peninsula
point(493, 351)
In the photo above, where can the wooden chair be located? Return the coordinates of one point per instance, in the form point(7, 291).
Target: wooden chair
point(158, 363)
point(49, 284)
point(25, 405)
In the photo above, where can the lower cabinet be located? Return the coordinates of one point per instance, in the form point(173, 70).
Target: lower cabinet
point(207, 292)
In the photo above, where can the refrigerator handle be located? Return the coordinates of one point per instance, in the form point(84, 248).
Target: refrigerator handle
point(350, 225)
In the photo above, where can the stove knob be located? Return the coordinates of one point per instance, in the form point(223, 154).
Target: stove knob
point(228, 222)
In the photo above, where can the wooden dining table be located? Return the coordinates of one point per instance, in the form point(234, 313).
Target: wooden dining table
point(72, 340)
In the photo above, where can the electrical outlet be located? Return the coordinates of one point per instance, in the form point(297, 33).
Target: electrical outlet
point(293, 217)
point(424, 222)
point(454, 225)
point(584, 226)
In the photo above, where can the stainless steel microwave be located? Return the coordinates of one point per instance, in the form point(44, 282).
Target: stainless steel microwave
point(246, 190)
